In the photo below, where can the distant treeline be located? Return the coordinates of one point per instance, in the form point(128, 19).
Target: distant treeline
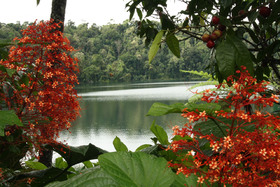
point(114, 52)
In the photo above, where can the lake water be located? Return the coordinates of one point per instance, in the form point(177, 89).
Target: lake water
point(120, 110)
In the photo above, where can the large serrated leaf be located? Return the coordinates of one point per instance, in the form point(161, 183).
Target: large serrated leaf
point(92, 177)
point(137, 169)
point(173, 44)
point(8, 117)
point(242, 54)
point(182, 180)
point(155, 45)
point(159, 109)
point(225, 56)
point(160, 133)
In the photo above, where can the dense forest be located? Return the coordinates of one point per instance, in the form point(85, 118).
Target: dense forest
point(114, 52)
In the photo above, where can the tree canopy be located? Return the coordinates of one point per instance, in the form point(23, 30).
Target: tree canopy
point(114, 52)
point(240, 32)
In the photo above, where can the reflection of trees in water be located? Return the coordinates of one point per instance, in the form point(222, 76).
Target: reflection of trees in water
point(129, 116)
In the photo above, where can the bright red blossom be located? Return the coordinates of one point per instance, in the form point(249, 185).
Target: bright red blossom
point(45, 75)
point(249, 152)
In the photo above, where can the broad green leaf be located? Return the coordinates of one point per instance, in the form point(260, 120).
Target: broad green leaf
point(242, 54)
point(209, 108)
point(159, 109)
point(210, 127)
point(173, 44)
point(166, 22)
point(160, 133)
point(36, 165)
point(8, 117)
point(93, 177)
point(225, 56)
point(155, 45)
point(119, 145)
point(75, 155)
point(141, 147)
point(152, 150)
point(137, 169)
point(60, 163)
point(182, 180)
point(88, 164)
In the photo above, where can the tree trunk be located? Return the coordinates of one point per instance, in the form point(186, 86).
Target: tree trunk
point(58, 15)
point(58, 12)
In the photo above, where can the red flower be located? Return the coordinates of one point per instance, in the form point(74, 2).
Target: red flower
point(45, 75)
point(249, 152)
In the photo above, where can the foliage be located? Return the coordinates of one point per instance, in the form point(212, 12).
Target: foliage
point(237, 146)
point(114, 52)
point(241, 33)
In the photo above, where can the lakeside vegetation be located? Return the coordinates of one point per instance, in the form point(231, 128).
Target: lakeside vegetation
point(114, 52)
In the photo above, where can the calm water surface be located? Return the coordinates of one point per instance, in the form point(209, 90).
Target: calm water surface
point(120, 110)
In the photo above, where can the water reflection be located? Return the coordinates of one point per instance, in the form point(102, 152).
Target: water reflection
point(122, 112)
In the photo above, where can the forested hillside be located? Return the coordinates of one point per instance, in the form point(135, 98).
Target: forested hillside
point(114, 52)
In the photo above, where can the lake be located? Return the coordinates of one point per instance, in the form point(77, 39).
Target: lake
point(120, 110)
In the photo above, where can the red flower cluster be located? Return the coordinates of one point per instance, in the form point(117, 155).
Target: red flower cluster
point(39, 82)
point(248, 152)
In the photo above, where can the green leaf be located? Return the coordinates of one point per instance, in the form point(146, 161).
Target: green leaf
point(25, 80)
point(119, 145)
point(160, 133)
point(137, 169)
point(159, 109)
point(225, 56)
point(36, 165)
point(210, 127)
point(166, 22)
point(139, 12)
point(152, 150)
point(60, 163)
point(38, 1)
point(88, 164)
point(209, 108)
point(178, 137)
point(92, 177)
point(155, 45)
point(43, 177)
point(226, 3)
point(182, 180)
point(10, 72)
point(242, 54)
point(75, 155)
point(173, 44)
point(144, 146)
point(8, 117)
point(232, 53)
